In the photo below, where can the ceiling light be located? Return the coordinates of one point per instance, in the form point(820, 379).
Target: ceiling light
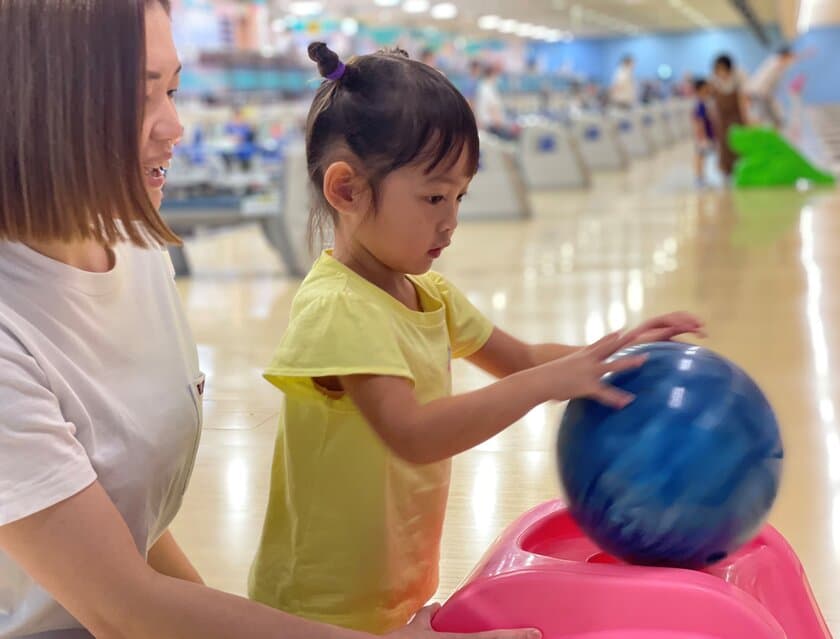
point(306, 8)
point(489, 22)
point(444, 11)
point(386, 3)
point(349, 27)
point(415, 6)
point(508, 26)
point(525, 29)
point(805, 19)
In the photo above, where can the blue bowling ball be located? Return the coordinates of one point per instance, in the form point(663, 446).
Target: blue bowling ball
point(686, 473)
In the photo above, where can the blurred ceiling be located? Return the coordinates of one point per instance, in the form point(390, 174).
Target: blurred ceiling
point(580, 18)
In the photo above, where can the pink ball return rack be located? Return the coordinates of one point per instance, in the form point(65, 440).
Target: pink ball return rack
point(543, 572)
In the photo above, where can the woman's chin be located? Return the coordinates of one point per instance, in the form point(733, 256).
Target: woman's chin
point(156, 197)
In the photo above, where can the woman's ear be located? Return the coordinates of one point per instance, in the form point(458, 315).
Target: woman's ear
point(343, 189)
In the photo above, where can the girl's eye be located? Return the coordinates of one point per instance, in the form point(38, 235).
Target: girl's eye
point(172, 93)
point(435, 199)
point(461, 197)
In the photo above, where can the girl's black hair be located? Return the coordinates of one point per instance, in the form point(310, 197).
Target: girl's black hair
point(389, 112)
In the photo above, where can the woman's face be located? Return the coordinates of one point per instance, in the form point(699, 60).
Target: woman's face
point(161, 127)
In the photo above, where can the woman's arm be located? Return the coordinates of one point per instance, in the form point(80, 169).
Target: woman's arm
point(744, 105)
point(81, 551)
point(167, 558)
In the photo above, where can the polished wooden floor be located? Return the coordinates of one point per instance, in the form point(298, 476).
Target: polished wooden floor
point(762, 268)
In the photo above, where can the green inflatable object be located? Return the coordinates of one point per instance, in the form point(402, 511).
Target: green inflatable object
point(767, 159)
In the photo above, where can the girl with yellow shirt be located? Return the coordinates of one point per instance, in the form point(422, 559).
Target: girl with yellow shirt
point(362, 461)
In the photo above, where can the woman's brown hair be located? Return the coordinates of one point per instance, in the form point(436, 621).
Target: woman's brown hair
point(71, 111)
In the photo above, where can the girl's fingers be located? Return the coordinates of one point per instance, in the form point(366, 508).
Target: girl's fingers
point(603, 345)
point(611, 344)
point(612, 397)
point(623, 364)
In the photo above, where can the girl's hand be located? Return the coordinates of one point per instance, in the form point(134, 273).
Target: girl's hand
point(666, 327)
point(580, 374)
point(421, 628)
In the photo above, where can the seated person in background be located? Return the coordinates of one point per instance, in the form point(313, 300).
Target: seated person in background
point(244, 138)
point(489, 108)
point(470, 87)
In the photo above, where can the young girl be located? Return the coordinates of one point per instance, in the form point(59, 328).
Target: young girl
point(362, 463)
point(704, 133)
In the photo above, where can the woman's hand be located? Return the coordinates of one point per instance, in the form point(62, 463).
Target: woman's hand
point(666, 327)
point(421, 628)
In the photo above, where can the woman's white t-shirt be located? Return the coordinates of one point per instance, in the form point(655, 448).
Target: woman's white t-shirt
point(99, 380)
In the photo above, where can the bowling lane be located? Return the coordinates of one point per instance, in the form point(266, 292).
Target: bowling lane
point(760, 267)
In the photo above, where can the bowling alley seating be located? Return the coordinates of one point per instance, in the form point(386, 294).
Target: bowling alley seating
point(629, 129)
point(550, 157)
point(282, 214)
point(498, 190)
point(598, 142)
point(656, 133)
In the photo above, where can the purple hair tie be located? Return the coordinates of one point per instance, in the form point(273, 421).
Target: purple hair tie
point(338, 73)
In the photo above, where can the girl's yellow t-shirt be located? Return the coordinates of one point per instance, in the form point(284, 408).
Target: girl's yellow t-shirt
point(352, 532)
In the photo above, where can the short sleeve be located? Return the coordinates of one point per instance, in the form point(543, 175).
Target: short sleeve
point(338, 333)
point(468, 328)
point(41, 461)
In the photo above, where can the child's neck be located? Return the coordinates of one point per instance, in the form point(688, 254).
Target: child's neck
point(366, 265)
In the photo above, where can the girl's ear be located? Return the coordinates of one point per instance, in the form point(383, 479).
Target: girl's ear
point(344, 189)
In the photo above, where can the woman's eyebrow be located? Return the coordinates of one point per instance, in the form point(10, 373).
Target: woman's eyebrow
point(157, 75)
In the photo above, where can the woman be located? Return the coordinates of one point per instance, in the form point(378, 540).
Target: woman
point(730, 109)
point(100, 391)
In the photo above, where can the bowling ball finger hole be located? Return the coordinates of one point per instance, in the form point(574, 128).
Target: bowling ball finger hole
point(715, 557)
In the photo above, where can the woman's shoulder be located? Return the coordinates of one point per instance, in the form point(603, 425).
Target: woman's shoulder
point(155, 257)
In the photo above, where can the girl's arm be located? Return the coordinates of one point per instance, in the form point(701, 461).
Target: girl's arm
point(442, 428)
point(505, 355)
point(81, 551)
